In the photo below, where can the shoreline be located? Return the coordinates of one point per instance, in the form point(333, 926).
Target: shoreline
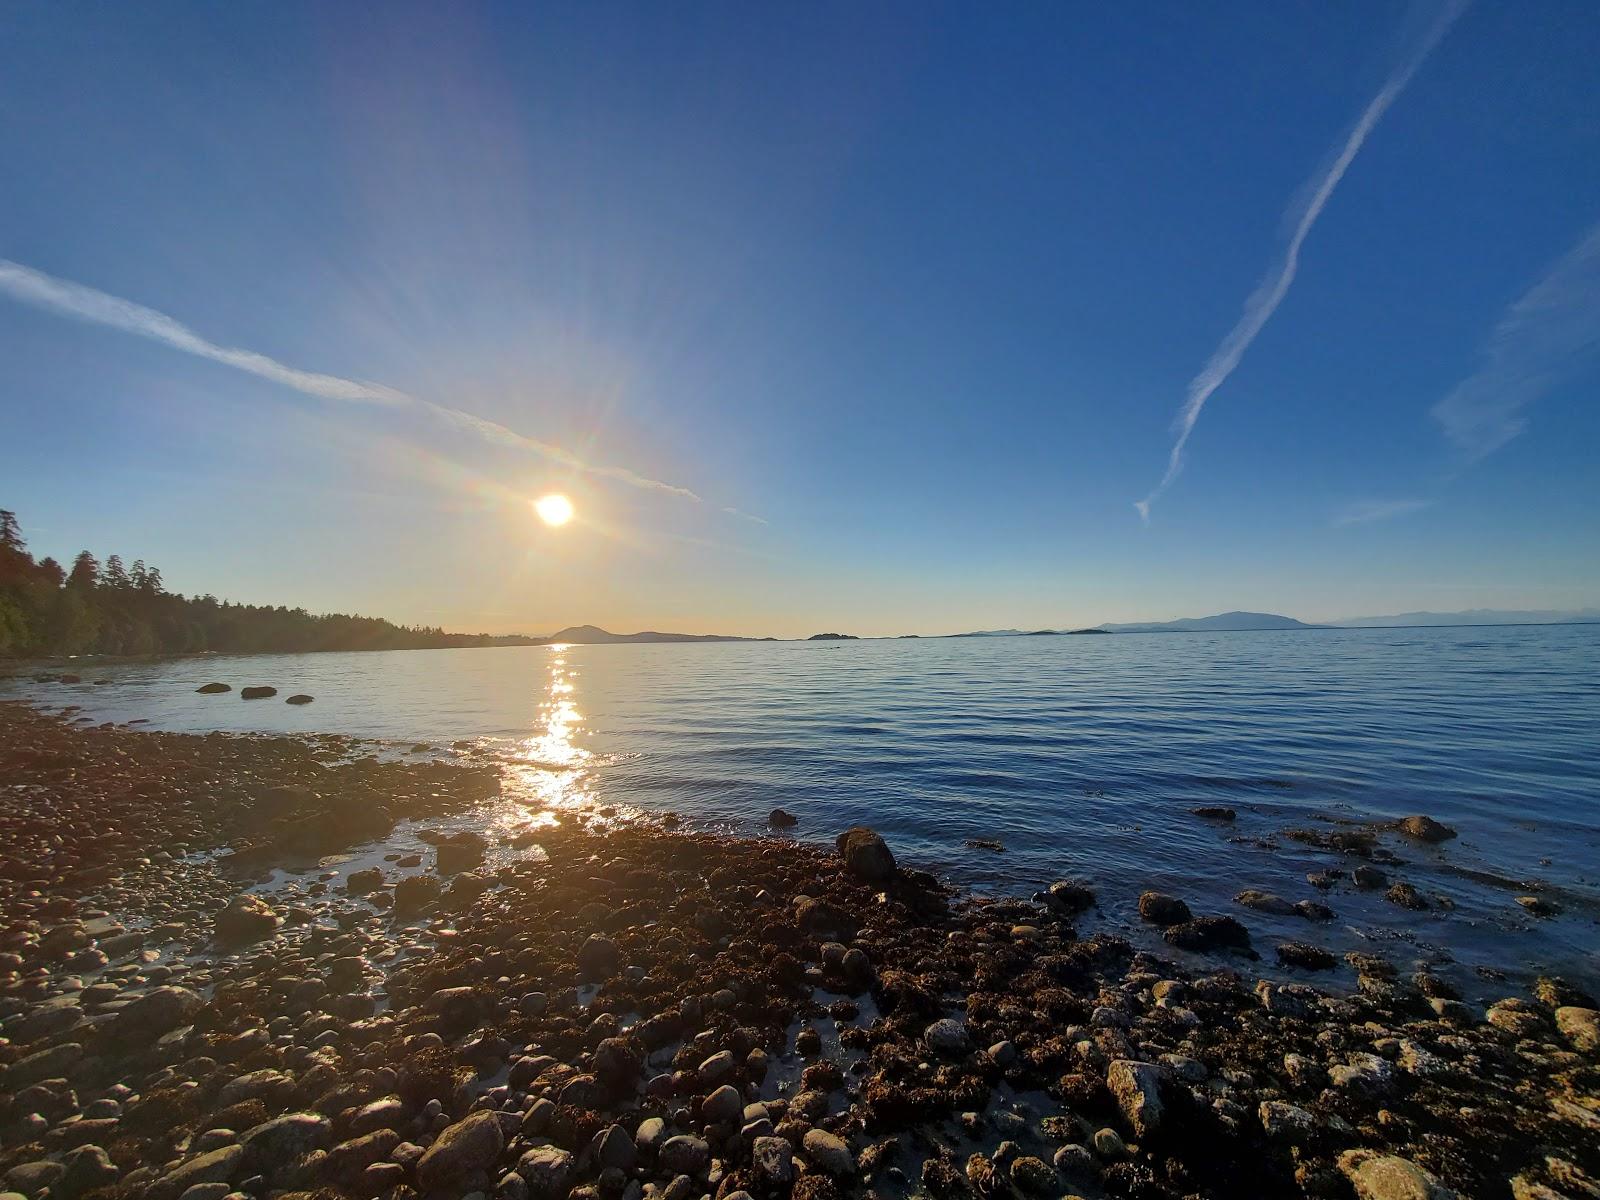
point(622, 1011)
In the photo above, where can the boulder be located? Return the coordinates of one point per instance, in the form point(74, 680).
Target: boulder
point(1580, 1026)
point(947, 1037)
point(247, 918)
point(831, 1153)
point(1067, 898)
point(257, 693)
point(1137, 1088)
point(467, 1146)
point(299, 698)
point(212, 689)
point(779, 819)
point(547, 1170)
point(866, 855)
point(598, 958)
point(217, 1166)
point(1376, 1176)
point(415, 893)
point(1265, 902)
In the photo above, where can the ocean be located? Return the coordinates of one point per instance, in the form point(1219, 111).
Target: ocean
point(1004, 764)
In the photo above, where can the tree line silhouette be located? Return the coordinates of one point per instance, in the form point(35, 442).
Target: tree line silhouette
point(111, 608)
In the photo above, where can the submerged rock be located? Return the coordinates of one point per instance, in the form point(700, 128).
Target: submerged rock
point(212, 689)
point(1209, 933)
point(780, 819)
point(299, 698)
point(1161, 909)
point(1426, 829)
point(260, 692)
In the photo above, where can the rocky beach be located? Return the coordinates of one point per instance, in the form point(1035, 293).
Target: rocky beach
point(247, 966)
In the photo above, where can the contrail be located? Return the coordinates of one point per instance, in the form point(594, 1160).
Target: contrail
point(1544, 338)
point(1264, 301)
point(100, 308)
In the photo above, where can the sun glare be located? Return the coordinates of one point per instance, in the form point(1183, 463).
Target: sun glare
point(554, 509)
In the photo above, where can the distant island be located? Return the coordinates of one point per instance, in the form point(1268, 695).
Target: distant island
point(593, 635)
point(1222, 621)
point(833, 637)
point(1475, 616)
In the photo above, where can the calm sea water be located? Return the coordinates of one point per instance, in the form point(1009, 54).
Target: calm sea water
point(1081, 755)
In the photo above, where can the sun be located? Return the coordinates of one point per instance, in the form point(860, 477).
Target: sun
point(554, 509)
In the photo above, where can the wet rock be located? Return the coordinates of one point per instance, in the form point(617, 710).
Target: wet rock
point(1312, 910)
point(1067, 898)
point(467, 1146)
point(415, 893)
point(780, 819)
point(299, 698)
point(1209, 933)
point(258, 692)
point(1539, 906)
point(1306, 956)
point(830, 1153)
point(1580, 1026)
point(255, 1085)
point(866, 855)
point(948, 1037)
point(1376, 1176)
point(1108, 1144)
point(1214, 812)
point(1161, 909)
point(1369, 878)
point(1265, 902)
point(361, 882)
point(212, 689)
point(1136, 1086)
point(247, 918)
point(1406, 896)
point(460, 852)
point(348, 1161)
point(1426, 829)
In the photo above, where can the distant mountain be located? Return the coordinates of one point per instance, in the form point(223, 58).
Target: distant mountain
point(1477, 616)
point(593, 635)
point(1222, 621)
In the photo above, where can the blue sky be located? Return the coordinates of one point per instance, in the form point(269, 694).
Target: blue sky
point(916, 291)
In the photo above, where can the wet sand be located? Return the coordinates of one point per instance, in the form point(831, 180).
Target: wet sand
point(243, 966)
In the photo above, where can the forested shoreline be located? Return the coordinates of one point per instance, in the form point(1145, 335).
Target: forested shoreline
point(111, 608)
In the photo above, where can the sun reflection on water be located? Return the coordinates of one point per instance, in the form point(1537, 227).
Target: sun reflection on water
point(547, 773)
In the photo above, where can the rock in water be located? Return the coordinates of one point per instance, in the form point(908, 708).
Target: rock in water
point(780, 819)
point(1377, 1176)
point(1068, 898)
point(1426, 829)
point(866, 855)
point(257, 693)
point(467, 1146)
point(460, 851)
point(1137, 1087)
point(1209, 933)
point(247, 918)
point(299, 698)
point(1163, 910)
point(212, 689)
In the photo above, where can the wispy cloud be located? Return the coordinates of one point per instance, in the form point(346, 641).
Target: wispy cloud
point(84, 303)
point(1269, 294)
point(1362, 512)
point(1540, 341)
point(744, 516)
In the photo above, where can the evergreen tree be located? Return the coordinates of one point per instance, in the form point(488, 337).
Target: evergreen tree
point(85, 571)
